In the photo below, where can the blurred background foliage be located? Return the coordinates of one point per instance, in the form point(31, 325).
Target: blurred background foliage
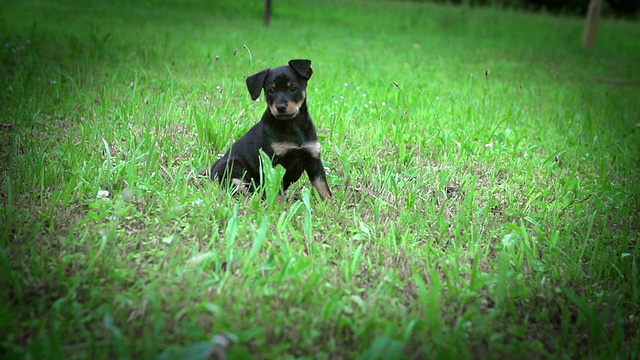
point(617, 8)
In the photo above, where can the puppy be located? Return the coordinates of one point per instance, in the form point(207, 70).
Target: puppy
point(286, 133)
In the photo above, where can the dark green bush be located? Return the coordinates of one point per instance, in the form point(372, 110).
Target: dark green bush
point(621, 8)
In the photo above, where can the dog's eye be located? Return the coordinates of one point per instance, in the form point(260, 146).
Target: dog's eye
point(271, 91)
point(293, 89)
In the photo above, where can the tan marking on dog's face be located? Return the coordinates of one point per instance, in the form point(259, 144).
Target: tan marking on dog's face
point(274, 110)
point(293, 107)
point(304, 97)
point(322, 187)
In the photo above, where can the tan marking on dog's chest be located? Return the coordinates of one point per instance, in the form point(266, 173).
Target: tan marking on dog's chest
point(281, 148)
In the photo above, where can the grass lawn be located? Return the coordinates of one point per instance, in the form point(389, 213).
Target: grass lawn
point(485, 172)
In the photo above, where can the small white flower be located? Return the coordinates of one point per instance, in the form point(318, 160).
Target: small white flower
point(489, 145)
point(102, 194)
point(346, 84)
point(384, 103)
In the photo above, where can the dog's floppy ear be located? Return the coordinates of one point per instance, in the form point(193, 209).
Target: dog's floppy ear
point(255, 83)
point(302, 67)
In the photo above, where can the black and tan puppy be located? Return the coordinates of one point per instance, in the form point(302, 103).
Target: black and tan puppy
point(285, 133)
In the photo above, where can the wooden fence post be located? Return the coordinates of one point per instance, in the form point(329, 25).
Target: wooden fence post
point(267, 12)
point(591, 25)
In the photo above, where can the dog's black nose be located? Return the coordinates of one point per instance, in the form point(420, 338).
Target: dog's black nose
point(281, 108)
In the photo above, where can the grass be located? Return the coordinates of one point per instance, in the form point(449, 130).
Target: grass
point(485, 172)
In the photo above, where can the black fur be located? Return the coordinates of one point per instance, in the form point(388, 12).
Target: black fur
point(286, 133)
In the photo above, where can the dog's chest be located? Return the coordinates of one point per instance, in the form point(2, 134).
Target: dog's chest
point(283, 149)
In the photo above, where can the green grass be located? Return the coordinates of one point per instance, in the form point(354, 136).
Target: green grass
point(485, 172)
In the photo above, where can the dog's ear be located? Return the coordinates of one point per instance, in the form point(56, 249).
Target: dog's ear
point(255, 83)
point(302, 67)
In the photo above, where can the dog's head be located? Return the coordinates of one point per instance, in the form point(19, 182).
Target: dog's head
point(285, 87)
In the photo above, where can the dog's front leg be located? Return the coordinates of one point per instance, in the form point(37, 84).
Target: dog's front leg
point(318, 177)
point(240, 187)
